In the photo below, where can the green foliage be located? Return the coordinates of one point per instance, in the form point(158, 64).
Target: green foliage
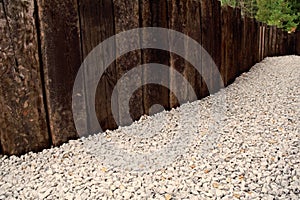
point(282, 13)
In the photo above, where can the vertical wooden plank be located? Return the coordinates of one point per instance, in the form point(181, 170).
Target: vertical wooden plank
point(274, 40)
point(291, 42)
point(297, 43)
point(217, 40)
point(237, 40)
point(270, 35)
point(61, 50)
point(252, 43)
point(126, 16)
point(23, 119)
point(245, 43)
point(198, 37)
point(207, 37)
point(265, 47)
point(177, 21)
point(154, 14)
point(193, 30)
point(228, 69)
point(262, 41)
point(285, 43)
point(278, 41)
point(97, 24)
point(256, 42)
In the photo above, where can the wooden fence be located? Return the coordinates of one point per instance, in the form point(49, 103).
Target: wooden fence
point(43, 43)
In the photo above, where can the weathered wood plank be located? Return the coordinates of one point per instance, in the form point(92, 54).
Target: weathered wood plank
point(177, 21)
point(154, 14)
point(207, 37)
point(278, 41)
point(23, 119)
point(229, 71)
point(193, 30)
point(274, 37)
point(126, 16)
point(237, 40)
point(256, 42)
point(297, 43)
point(216, 43)
point(271, 33)
point(97, 24)
point(60, 40)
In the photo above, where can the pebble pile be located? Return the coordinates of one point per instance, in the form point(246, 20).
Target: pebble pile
point(255, 154)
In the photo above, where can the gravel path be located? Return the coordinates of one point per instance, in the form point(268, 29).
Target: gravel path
point(253, 153)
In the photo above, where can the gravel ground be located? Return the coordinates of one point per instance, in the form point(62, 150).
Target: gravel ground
point(252, 153)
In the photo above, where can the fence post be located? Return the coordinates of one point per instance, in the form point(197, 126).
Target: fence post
point(61, 50)
point(297, 43)
point(154, 13)
point(22, 120)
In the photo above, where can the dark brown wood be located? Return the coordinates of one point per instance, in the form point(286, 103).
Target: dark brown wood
point(177, 21)
point(97, 24)
point(154, 14)
point(228, 71)
point(237, 39)
point(193, 30)
point(278, 41)
point(43, 43)
point(256, 42)
point(61, 50)
point(261, 41)
point(274, 43)
point(207, 37)
point(291, 44)
point(23, 119)
point(126, 16)
point(297, 45)
point(217, 41)
point(270, 35)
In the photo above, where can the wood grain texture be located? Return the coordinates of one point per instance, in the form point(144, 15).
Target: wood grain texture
point(237, 40)
point(229, 71)
point(256, 41)
point(177, 21)
point(61, 50)
point(126, 16)
point(97, 24)
point(193, 30)
point(23, 120)
point(216, 43)
point(154, 14)
point(274, 37)
point(207, 37)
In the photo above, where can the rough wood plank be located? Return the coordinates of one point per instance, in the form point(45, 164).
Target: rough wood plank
point(266, 39)
point(23, 119)
point(154, 14)
point(126, 15)
point(270, 41)
point(237, 40)
point(197, 35)
point(228, 69)
point(216, 43)
point(60, 40)
point(278, 41)
point(193, 30)
point(207, 37)
point(274, 37)
point(256, 42)
point(297, 43)
point(97, 24)
point(177, 21)
point(291, 44)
